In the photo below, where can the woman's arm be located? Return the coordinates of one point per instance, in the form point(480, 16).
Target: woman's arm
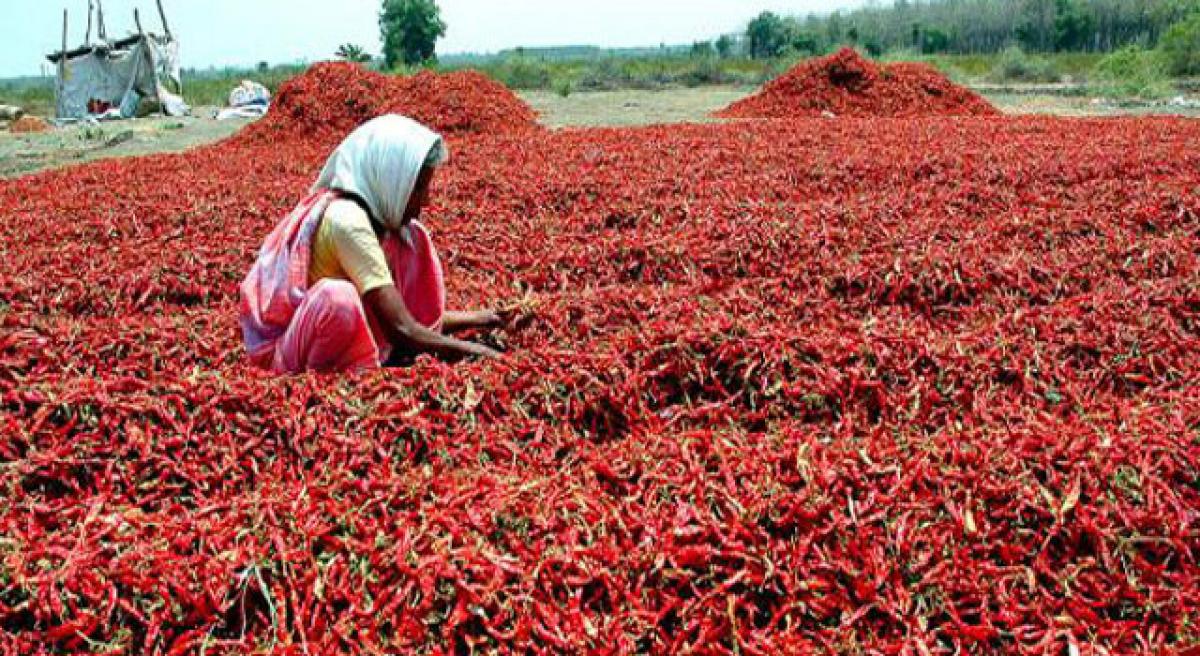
point(453, 322)
point(403, 330)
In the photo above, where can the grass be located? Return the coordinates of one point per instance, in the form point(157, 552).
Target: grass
point(674, 71)
point(665, 71)
point(212, 88)
point(607, 73)
point(35, 97)
point(1075, 65)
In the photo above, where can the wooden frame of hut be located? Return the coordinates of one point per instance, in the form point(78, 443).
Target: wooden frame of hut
point(113, 77)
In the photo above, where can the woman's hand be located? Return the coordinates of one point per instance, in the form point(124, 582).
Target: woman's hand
point(485, 352)
point(516, 316)
point(404, 331)
point(490, 319)
point(456, 321)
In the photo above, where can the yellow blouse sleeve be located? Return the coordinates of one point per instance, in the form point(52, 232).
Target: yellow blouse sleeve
point(357, 247)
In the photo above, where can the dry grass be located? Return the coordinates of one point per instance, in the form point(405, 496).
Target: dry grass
point(619, 108)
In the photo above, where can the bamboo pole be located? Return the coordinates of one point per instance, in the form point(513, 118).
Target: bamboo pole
point(100, 27)
point(87, 36)
point(162, 15)
point(144, 56)
point(62, 68)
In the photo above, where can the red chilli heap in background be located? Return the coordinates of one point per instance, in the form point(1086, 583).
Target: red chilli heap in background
point(847, 84)
point(769, 392)
point(332, 99)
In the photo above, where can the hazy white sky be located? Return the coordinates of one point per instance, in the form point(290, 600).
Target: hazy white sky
point(243, 32)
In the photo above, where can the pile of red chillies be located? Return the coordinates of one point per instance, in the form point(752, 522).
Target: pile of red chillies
point(848, 84)
point(333, 98)
point(919, 386)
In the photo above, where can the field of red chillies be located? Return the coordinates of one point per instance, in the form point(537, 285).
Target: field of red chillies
point(883, 386)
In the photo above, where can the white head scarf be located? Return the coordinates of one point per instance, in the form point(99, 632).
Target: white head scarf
point(380, 163)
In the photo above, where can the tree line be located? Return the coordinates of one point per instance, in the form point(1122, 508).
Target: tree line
point(410, 30)
point(973, 26)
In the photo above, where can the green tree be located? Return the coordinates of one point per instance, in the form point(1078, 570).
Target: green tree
point(352, 53)
point(935, 40)
point(833, 28)
point(806, 42)
point(1036, 29)
point(724, 46)
point(767, 35)
point(702, 49)
point(1074, 25)
point(1181, 46)
point(410, 30)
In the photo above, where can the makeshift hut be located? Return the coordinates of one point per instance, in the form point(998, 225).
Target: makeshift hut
point(111, 78)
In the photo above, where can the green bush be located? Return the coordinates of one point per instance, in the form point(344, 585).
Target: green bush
point(1016, 66)
point(603, 75)
point(1132, 72)
point(1180, 46)
point(934, 40)
point(563, 86)
point(523, 73)
point(805, 42)
point(704, 71)
point(703, 49)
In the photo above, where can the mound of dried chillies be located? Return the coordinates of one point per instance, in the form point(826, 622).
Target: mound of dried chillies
point(848, 84)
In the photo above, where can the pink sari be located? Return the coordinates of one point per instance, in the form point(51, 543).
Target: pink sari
point(289, 327)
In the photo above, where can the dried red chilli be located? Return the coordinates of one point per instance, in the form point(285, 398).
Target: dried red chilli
point(848, 84)
point(904, 386)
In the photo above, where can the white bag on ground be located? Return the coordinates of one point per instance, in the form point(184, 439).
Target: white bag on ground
point(249, 93)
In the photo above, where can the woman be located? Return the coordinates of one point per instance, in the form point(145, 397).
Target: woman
point(351, 273)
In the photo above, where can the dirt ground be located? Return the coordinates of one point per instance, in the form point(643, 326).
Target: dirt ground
point(1042, 103)
point(26, 153)
point(23, 154)
point(622, 108)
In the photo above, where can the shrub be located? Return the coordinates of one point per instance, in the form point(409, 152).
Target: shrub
point(523, 73)
point(806, 42)
point(563, 86)
point(934, 40)
point(1180, 46)
point(603, 75)
point(725, 46)
point(704, 71)
point(1015, 65)
point(1132, 72)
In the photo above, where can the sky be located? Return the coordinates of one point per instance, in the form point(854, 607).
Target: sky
point(244, 32)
